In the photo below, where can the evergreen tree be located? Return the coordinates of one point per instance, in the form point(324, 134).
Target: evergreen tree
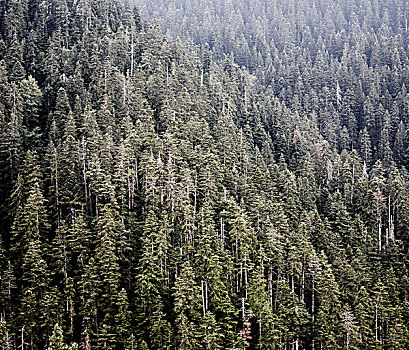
point(57, 340)
point(187, 309)
point(240, 181)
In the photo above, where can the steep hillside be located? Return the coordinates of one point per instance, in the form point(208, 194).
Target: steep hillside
point(159, 194)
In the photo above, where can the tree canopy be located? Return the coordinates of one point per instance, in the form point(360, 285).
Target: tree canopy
point(216, 176)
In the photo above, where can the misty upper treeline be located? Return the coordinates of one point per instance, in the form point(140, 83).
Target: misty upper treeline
point(239, 182)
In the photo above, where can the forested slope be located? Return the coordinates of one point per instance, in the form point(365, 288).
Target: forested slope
point(160, 195)
point(341, 62)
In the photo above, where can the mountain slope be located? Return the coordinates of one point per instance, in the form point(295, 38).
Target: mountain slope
point(158, 196)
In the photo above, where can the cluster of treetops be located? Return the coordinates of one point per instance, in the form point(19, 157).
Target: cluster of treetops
point(237, 183)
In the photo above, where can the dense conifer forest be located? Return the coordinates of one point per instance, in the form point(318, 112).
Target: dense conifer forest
point(204, 174)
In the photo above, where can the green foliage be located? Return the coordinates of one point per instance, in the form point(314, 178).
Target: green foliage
point(187, 309)
point(239, 182)
point(57, 340)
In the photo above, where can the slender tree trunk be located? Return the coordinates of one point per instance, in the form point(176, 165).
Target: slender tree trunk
point(292, 279)
point(380, 233)
point(302, 285)
point(222, 231)
point(84, 170)
point(313, 310)
point(245, 273)
point(376, 321)
point(206, 295)
point(203, 299)
point(270, 286)
point(22, 337)
point(132, 55)
point(260, 330)
point(389, 217)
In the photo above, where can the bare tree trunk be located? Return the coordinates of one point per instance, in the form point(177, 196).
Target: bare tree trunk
point(22, 337)
point(270, 286)
point(222, 232)
point(376, 321)
point(302, 285)
point(292, 279)
point(84, 170)
point(206, 296)
point(132, 55)
point(380, 233)
point(260, 331)
point(203, 300)
point(313, 310)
